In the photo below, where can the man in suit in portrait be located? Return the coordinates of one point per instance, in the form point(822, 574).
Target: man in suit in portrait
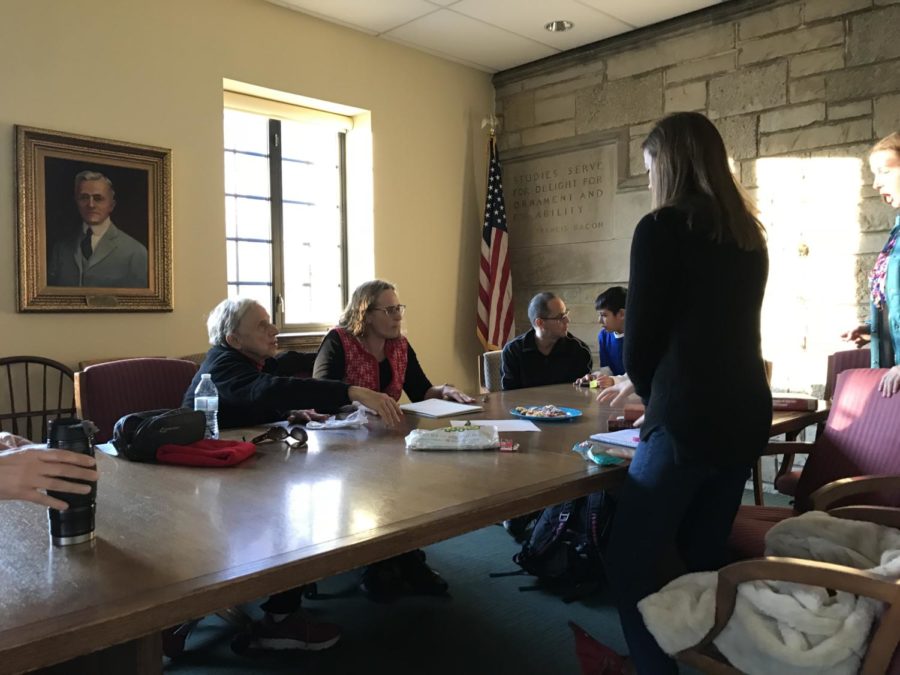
point(98, 254)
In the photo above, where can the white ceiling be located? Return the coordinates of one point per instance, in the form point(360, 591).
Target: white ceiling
point(494, 35)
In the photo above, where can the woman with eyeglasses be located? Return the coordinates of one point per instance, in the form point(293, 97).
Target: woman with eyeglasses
point(368, 350)
point(699, 264)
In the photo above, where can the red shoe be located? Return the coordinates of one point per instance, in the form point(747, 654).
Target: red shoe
point(295, 632)
point(595, 658)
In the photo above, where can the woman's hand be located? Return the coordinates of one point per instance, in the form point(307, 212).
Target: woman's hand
point(450, 393)
point(25, 473)
point(383, 405)
point(890, 383)
point(617, 394)
point(302, 416)
point(859, 335)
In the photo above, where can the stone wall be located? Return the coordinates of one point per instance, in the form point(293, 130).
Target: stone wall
point(799, 90)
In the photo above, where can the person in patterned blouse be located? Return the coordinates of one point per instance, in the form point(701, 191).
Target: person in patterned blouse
point(883, 328)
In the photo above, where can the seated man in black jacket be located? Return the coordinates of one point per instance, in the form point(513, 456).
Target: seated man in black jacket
point(547, 353)
point(255, 387)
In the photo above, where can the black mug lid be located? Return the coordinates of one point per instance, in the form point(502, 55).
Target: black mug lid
point(69, 429)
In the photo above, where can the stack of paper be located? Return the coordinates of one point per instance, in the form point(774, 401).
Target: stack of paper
point(626, 437)
point(436, 407)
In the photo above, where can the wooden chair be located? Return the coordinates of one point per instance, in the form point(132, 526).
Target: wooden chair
point(786, 477)
point(37, 390)
point(882, 655)
point(106, 391)
point(489, 376)
point(860, 438)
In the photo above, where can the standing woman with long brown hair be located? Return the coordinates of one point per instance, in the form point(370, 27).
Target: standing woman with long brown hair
point(698, 274)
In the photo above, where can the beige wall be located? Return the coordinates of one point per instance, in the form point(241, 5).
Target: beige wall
point(151, 73)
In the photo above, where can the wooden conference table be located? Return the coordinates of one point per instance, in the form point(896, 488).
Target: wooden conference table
point(176, 543)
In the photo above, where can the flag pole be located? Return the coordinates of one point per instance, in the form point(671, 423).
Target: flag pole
point(494, 324)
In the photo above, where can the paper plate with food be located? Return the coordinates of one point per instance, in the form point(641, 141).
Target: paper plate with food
point(545, 413)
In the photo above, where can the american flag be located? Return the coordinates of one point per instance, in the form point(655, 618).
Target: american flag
point(495, 310)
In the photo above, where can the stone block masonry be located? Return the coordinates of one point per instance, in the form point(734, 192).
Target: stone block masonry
point(799, 89)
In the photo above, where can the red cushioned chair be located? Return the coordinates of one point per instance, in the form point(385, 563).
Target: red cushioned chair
point(786, 477)
point(860, 438)
point(106, 391)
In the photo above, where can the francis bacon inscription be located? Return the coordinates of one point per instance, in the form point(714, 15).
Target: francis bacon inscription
point(563, 199)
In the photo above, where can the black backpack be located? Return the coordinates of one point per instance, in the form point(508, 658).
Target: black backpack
point(568, 540)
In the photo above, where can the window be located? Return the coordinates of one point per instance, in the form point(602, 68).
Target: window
point(286, 228)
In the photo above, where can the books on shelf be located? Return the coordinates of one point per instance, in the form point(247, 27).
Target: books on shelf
point(797, 402)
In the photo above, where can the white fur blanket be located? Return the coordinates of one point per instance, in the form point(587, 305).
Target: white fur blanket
point(779, 627)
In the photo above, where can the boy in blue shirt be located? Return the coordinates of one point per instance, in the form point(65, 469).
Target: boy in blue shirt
point(610, 305)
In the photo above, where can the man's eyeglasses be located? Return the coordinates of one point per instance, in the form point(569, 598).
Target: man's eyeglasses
point(392, 310)
point(562, 317)
point(280, 434)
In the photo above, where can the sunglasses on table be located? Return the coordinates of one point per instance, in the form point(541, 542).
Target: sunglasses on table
point(279, 434)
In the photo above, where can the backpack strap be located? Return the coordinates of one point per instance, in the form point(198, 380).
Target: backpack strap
point(562, 522)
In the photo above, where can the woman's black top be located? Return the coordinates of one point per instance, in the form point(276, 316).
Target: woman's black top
point(692, 337)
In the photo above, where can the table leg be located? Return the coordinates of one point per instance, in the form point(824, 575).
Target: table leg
point(142, 656)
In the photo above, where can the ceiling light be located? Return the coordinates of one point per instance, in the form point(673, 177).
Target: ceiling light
point(559, 26)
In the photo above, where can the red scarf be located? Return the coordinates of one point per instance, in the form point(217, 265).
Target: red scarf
point(361, 368)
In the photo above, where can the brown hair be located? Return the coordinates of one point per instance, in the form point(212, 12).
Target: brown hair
point(690, 160)
point(353, 318)
point(889, 142)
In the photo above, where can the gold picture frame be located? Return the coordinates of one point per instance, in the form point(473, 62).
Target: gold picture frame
point(94, 224)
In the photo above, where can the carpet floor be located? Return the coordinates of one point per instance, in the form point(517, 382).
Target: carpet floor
point(486, 625)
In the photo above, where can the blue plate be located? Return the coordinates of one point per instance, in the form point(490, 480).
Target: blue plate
point(571, 413)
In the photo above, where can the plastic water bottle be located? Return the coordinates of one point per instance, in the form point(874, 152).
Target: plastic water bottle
point(206, 399)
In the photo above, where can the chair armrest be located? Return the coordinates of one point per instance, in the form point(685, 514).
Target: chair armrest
point(787, 448)
point(796, 570)
point(888, 516)
point(836, 490)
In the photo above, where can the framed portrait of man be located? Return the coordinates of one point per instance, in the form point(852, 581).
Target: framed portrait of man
point(94, 224)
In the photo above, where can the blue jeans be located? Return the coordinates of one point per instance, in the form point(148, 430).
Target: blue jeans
point(663, 504)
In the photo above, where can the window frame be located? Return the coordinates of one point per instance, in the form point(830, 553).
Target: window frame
point(275, 112)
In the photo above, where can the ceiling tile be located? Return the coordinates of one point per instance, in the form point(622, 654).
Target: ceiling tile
point(494, 34)
point(646, 12)
point(528, 19)
point(371, 17)
point(464, 39)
